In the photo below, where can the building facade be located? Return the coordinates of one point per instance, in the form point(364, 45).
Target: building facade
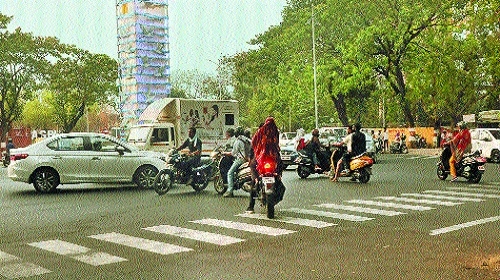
point(143, 55)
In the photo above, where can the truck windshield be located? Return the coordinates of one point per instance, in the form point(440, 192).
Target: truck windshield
point(138, 134)
point(495, 133)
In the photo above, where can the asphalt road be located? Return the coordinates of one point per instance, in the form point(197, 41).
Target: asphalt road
point(403, 224)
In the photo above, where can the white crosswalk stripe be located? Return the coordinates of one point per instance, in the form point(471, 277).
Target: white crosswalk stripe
point(473, 189)
point(214, 238)
point(424, 201)
point(390, 205)
point(360, 209)
point(290, 220)
point(141, 243)
point(452, 198)
point(77, 252)
point(463, 194)
point(244, 227)
point(12, 267)
point(347, 217)
point(464, 225)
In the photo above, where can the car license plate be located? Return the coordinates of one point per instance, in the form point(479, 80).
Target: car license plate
point(267, 180)
point(285, 158)
point(481, 168)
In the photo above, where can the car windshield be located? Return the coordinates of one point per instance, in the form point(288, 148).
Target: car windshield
point(495, 133)
point(138, 134)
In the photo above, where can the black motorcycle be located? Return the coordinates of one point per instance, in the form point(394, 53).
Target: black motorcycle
point(269, 189)
point(471, 166)
point(242, 179)
point(305, 165)
point(176, 172)
point(399, 148)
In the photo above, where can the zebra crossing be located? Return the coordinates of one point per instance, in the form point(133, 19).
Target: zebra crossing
point(353, 210)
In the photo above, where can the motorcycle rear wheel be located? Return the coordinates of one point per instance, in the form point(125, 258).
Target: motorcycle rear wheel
point(364, 176)
point(475, 178)
point(163, 181)
point(270, 209)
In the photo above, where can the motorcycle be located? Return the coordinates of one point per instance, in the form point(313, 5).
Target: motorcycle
point(269, 188)
point(305, 165)
point(242, 180)
point(399, 148)
point(174, 172)
point(471, 166)
point(360, 167)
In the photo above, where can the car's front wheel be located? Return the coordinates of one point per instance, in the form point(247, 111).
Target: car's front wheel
point(45, 180)
point(145, 176)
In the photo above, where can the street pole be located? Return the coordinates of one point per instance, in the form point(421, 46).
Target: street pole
point(219, 82)
point(314, 68)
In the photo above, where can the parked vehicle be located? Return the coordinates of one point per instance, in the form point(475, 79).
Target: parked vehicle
point(165, 123)
point(242, 180)
point(83, 158)
point(176, 172)
point(288, 155)
point(487, 141)
point(305, 165)
point(471, 167)
point(359, 167)
point(286, 138)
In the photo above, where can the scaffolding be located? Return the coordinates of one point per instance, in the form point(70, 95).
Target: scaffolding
point(143, 55)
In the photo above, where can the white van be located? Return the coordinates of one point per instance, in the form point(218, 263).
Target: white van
point(487, 140)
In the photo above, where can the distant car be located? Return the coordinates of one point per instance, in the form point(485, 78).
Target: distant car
point(287, 138)
point(288, 155)
point(83, 158)
point(487, 140)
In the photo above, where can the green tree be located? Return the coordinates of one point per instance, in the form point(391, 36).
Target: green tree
point(79, 80)
point(37, 113)
point(24, 59)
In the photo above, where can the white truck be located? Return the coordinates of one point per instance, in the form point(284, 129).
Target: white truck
point(164, 123)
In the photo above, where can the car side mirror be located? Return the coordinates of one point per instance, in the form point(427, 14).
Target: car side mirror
point(120, 150)
point(486, 139)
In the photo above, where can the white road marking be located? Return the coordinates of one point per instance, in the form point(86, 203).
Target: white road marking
point(244, 227)
point(361, 209)
point(453, 198)
point(464, 194)
point(290, 220)
point(390, 205)
point(473, 189)
point(464, 225)
point(424, 201)
point(347, 217)
point(214, 238)
point(141, 243)
point(77, 252)
point(12, 267)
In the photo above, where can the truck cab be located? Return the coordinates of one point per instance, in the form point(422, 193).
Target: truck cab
point(158, 137)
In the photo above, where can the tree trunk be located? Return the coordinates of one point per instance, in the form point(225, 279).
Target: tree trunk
point(339, 102)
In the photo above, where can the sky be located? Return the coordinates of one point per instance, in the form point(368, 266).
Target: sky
point(201, 31)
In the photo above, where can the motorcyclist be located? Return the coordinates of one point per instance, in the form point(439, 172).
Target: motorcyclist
point(193, 143)
point(240, 156)
point(347, 141)
point(460, 144)
point(265, 145)
point(358, 147)
point(313, 147)
point(230, 138)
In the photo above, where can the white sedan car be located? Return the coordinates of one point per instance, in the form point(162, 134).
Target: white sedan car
point(83, 158)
